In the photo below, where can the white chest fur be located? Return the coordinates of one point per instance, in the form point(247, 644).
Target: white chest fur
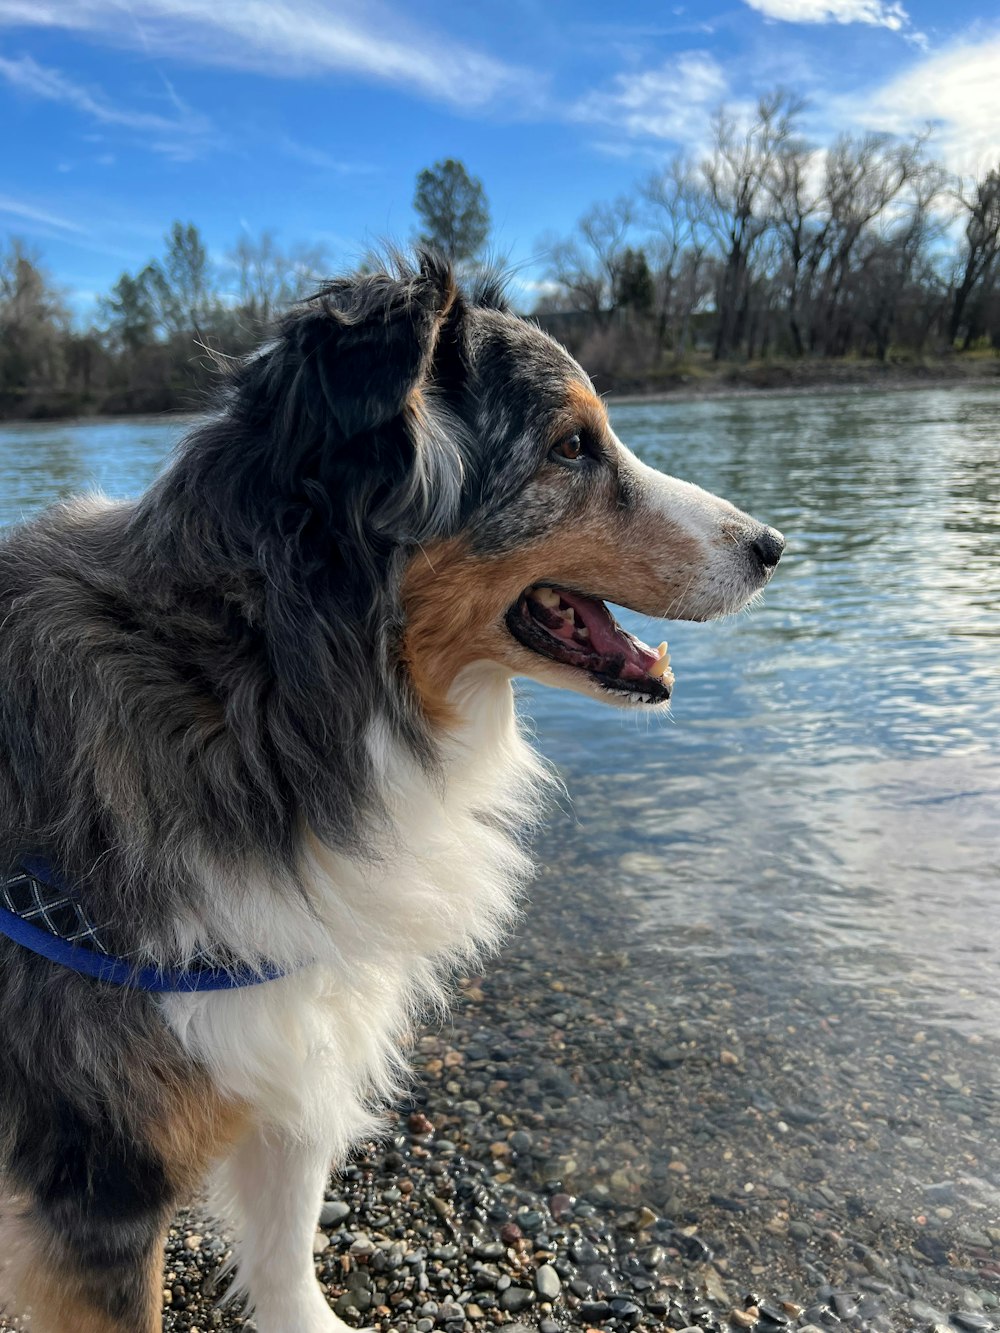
point(317, 1052)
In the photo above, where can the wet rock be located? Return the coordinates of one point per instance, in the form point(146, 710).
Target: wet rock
point(547, 1283)
point(515, 1299)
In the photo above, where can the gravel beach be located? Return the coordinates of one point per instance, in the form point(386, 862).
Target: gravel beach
point(583, 1151)
point(737, 1068)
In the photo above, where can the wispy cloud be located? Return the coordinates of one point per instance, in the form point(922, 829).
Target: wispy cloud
point(173, 135)
point(323, 161)
point(16, 208)
point(876, 13)
point(672, 102)
point(955, 91)
point(291, 38)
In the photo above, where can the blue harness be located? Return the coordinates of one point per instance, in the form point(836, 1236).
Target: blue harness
point(42, 913)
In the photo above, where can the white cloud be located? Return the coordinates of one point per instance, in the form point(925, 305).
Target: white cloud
point(16, 208)
point(877, 13)
point(673, 102)
point(174, 136)
point(323, 161)
point(955, 91)
point(290, 38)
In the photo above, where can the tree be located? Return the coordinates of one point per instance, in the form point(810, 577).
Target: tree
point(129, 312)
point(589, 266)
point(676, 212)
point(794, 205)
point(981, 249)
point(634, 285)
point(269, 278)
point(34, 324)
point(895, 256)
point(864, 178)
point(454, 211)
point(182, 283)
point(741, 161)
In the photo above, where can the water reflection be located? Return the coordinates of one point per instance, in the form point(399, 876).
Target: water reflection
point(833, 754)
point(802, 866)
point(832, 775)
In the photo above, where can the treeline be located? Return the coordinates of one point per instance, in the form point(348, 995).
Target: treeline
point(151, 346)
point(154, 344)
point(769, 246)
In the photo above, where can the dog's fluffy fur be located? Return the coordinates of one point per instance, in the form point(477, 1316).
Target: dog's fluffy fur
point(266, 710)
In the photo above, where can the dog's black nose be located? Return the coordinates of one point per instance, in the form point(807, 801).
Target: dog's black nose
point(767, 546)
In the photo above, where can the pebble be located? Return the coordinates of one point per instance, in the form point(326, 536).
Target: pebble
point(516, 1299)
point(547, 1283)
point(648, 1182)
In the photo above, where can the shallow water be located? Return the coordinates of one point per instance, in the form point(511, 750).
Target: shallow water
point(831, 770)
point(807, 850)
point(831, 767)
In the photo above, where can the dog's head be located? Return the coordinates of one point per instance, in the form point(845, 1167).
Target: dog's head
point(451, 475)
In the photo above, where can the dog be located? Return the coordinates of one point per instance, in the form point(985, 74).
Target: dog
point(258, 740)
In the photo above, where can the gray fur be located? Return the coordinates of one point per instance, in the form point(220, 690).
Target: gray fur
point(194, 674)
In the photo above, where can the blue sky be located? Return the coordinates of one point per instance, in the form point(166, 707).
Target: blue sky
point(312, 117)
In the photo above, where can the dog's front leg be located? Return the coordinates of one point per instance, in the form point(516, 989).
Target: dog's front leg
point(272, 1190)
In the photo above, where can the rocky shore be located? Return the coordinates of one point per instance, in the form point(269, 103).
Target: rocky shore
point(614, 1133)
point(584, 1152)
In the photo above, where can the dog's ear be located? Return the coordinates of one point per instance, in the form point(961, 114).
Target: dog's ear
point(349, 359)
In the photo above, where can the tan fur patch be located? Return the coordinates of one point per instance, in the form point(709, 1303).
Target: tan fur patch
point(584, 411)
point(59, 1303)
point(586, 403)
point(455, 601)
point(197, 1128)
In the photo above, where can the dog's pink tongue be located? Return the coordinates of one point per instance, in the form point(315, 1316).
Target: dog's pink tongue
point(609, 639)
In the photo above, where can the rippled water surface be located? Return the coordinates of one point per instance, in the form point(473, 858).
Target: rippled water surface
point(801, 863)
point(829, 780)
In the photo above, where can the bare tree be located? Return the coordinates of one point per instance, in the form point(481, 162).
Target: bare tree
point(863, 179)
point(735, 175)
point(589, 264)
point(978, 262)
point(676, 213)
point(795, 207)
point(894, 254)
point(269, 278)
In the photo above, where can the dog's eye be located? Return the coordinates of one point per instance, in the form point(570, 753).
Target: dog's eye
point(568, 450)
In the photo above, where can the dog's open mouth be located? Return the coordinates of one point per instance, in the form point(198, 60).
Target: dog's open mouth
point(581, 632)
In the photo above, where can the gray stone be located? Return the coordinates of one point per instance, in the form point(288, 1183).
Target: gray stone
point(515, 1299)
point(547, 1283)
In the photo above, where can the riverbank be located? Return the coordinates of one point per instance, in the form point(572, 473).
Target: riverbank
point(707, 379)
point(701, 378)
point(577, 1155)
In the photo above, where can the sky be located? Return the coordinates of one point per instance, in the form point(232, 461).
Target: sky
point(312, 118)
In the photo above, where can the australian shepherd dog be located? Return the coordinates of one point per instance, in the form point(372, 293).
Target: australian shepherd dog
point(262, 717)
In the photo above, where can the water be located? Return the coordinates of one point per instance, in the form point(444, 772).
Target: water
point(803, 861)
point(831, 768)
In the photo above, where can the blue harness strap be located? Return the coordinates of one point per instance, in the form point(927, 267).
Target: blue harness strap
point(41, 913)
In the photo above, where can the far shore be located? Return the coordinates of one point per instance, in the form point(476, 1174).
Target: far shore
point(788, 379)
point(687, 383)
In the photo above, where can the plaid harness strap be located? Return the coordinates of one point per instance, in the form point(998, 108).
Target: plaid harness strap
point(39, 911)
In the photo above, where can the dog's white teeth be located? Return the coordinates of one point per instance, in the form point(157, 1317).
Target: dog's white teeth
point(660, 668)
point(546, 597)
point(583, 632)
